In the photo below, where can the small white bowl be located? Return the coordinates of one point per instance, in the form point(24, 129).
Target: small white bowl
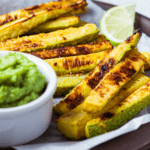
point(21, 124)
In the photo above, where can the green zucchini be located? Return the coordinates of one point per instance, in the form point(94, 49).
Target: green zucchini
point(73, 50)
point(23, 25)
point(112, 82)
point(67, 37)
point(79, 93)
point(17, 14)
point(121, 113)
point(67, 82)
point(56, 24)
point(72, 124)
point(76, 64)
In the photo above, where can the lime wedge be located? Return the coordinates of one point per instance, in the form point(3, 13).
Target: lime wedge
point(117, 23)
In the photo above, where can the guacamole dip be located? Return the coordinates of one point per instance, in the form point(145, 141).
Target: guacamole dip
point(20, 80)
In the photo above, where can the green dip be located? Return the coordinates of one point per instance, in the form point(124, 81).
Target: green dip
point(20, 80)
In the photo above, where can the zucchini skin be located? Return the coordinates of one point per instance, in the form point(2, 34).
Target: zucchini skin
point(74, 50)
point(81, 91)
point(121, 113)
point(72, 124)
point(56, 24)
point(67, 82)
point(23, 25)
point(67, 37)
point(112, 82)
point(76, 64)
point(12, 16)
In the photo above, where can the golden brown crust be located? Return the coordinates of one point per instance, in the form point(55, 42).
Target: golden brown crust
point(73, 50)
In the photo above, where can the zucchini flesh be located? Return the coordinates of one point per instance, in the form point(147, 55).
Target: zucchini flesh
point(67, 82)
point(76, 64)
point(147, 60)
point(72, 124)
point(23, 25)
point(56, 24)
point(81, 91)
point(38, 8)
point(110, 85)
point(73, 50)
point(121, 113)
point(67, 37)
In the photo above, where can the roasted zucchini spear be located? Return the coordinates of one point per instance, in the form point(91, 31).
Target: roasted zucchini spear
point(67, 82)
point(23, 25)
point(76, 64)
point(46, 6)
point(112, 82)
point(56, 24)
point(67, 37)
point(121, 113)
point(74, 50)
point(72, 124)
point(79, 93)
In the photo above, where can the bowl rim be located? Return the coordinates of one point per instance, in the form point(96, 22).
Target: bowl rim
point(48, 93)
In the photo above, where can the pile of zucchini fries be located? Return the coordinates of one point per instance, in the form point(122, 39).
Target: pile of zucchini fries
point(105, 87)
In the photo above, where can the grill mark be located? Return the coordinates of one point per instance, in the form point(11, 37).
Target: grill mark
point(33, 15)
point(99, 75)
point(32, 8)
point(64, 38)
point(107, 115)
point(73, 101)
point(134, 58)
point(9, 18)
point(72, 63)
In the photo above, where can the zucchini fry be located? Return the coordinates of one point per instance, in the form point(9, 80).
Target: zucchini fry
point(79, 93)
point(76, 64)
point(121, 113)
point(74, 50)
point(72, 124)
point(56, 24)
point(67, 82)
point(12, 16)
point(67, 37)
point(110, 85)
point(23, 25)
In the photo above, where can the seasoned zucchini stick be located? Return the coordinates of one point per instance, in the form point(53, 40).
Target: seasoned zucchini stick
point(74, 50)
point(110, 85)
point(72, 124)
point(67, 37)
point(147, 60)
point(56, 24)
point(76, 64)
point(81, 91)
point(67, 82)
point(23, 25)
point(46, 6)
point(121, 113)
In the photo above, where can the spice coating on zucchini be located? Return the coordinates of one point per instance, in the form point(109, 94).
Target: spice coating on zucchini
point(72, 124)
point(110, 85)
point(23, 25)
point(6, 18)
point(121, 113)
point(76, 64)
point(67, 37)
point(74, 50)
point(79, 93)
